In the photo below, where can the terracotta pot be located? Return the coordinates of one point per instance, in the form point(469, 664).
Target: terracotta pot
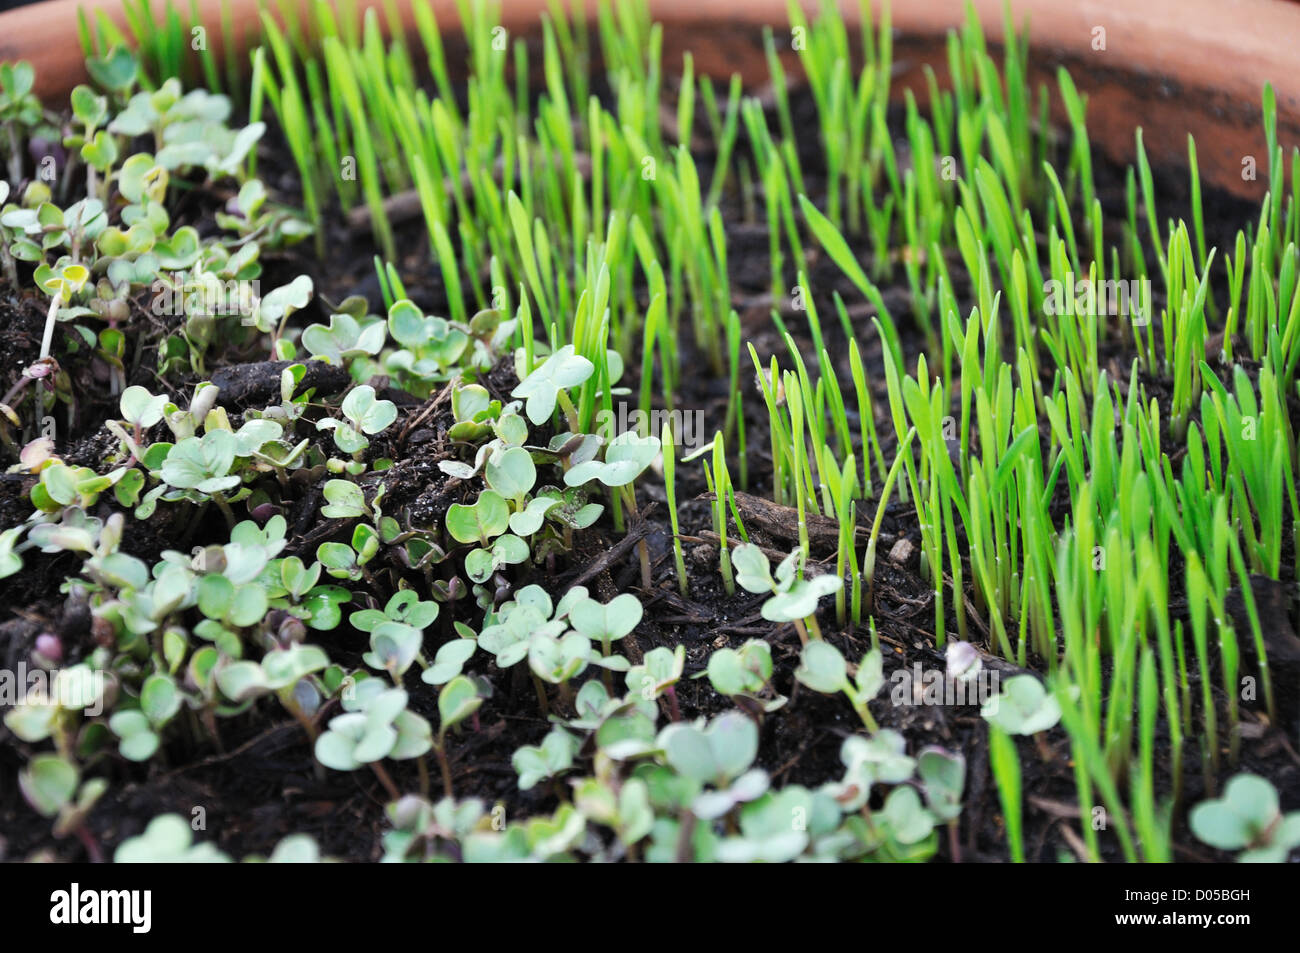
point(1170, 66)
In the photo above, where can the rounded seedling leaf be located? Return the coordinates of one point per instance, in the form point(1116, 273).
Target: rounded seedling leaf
point(407, 324)
point(49, 783)
point(469, 400)
point(727, 672)
point(296, 849)
point(713, 755)
point(884, 754)
point(167, 839)
point(687, 751)
point(414, 736)
point(1023, 707)
point(202, 463)
point(458, 700)
point(367, 413)
point(345, 500)
point(479, 522)
point(540, 389)
point(138, 740)
point(733, 739)
point(660, 669)
point(334, 748)
point(241, 680)
point(556, 660)
point(323, 605)
point(394, 646)
point(606, 622)
point(907, 819)
point(512, 474)
point(799, 600)
point(751, 568)
point(449, 661)
point(627, 456)
point(286, 299)
point(943, 775)
point(1247, 809)
point(406, 606)
point(140, 408)
point(529, 520)
point(822, 668)
point(159, 699)
point(870, 677)
point(284, 667)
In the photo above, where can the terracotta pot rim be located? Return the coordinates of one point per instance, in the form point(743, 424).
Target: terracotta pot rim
point(1171, 66)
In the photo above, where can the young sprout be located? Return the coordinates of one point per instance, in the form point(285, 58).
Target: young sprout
point(203, 464)
point(943, 777)
point(608, 622)
point(1023, 707)
point(548, 384)
point(823, 669)
point(670, 478)
point(1247, 818)
point(375, 725)
point(658, 674)
point(282, 672)
point(715, 754)
point(745, 675)
point(553, 757)
point(365, 415)
point(141, 410)
point(167, 839)
point(793, 599)
point(449, 660)
point(60, 284)
point(394, 647)
point(718, 481)
point(1005, 764)
point(627, 456)
point(52, 785)
point(343, 500)
point(869, 560)
point(481, 521)
point(512, 474)
point(345, 338)
point(459, 699)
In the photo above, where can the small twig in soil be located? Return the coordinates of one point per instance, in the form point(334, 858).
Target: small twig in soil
point(286, 727)
point(443, 396)
point(636, 530)
point(1060, 809)
point(1076, 843)
point(691, 611)
point(382, 774)
point(782, 522)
